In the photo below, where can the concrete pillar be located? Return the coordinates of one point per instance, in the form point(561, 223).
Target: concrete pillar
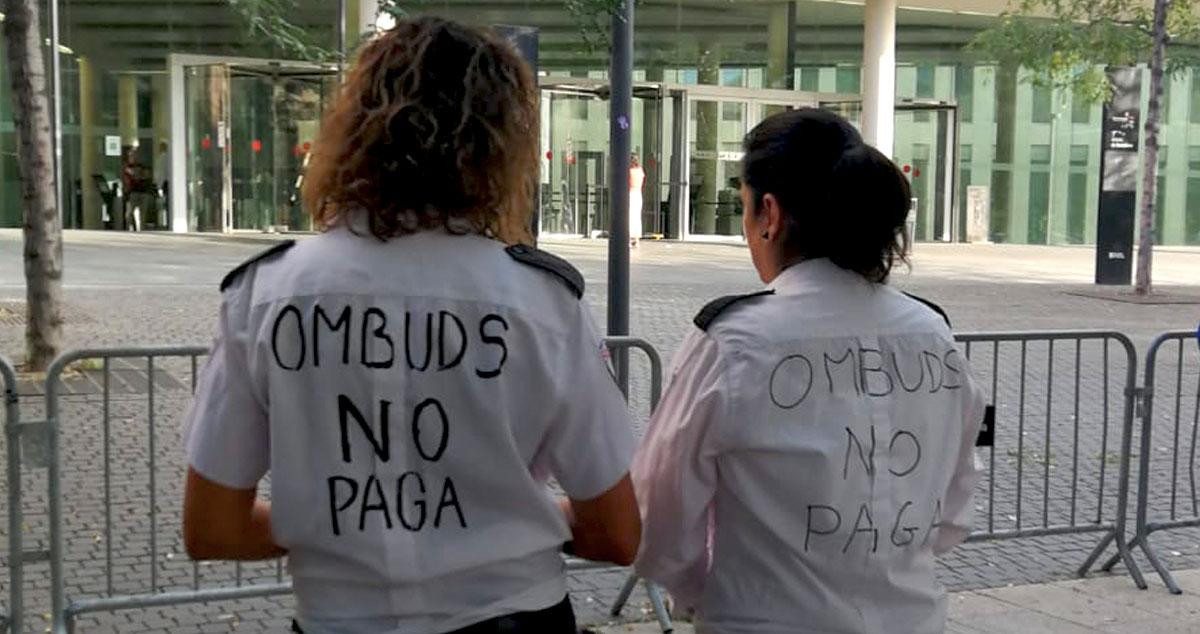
point(652, 155)
point(160, 106)
point(1003, 181)
point(127, 110)
point(127, 125)
point(360, 19)
point(1174, 228)
point(708, 133)
point(879, 74)
point(1061, 132)
point(89, 145)
point(781, 49)
point(161, 120)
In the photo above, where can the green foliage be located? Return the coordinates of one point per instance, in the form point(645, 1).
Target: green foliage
point(1069, 47)
point(269, 19)
point(594, 18)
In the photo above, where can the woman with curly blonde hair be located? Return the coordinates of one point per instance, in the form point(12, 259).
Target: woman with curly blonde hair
point(412, 377)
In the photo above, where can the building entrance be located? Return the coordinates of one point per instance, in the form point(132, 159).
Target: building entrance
point(926, 147)
point(688, 139)
point(242, 133)
point(574, 177)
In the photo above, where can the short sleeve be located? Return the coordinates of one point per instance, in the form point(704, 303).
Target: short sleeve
point(958, 510)
point(227, 433)
point(675, 471)
point(590, 442)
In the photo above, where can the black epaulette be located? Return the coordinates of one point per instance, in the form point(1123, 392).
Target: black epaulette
point(244, 266)
point(713, 309)
point(553, 264)
point(937, 309)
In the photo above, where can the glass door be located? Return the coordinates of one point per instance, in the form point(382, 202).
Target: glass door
point(574, 192)
point(716, 131)
point(276, 115)
point(209, 185)
point(249, 128)
point(709, 138)
point(575, 179)
point(926, 139)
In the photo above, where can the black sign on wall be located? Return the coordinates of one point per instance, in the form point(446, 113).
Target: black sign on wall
point(1118, 178)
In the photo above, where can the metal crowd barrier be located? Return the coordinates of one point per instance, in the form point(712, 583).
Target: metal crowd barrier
point(657, 601)
point(12, 616)
point(1048, 478)
point(1178, 502)
point(65, 609)
point(1064, 414)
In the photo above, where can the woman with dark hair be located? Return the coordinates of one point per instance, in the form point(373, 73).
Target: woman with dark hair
point(814, 449)
point(412, 377)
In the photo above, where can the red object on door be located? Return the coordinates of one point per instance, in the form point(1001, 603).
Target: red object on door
point(256, 145)
point(916, 173)
point(206, 142)
point(549, 155)
point(307, 146)
point(907, 168)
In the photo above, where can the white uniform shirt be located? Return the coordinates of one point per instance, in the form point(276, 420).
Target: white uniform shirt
point(812, 453)
point(410, 399)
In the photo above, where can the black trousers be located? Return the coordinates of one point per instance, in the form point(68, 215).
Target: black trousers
point(557, 619)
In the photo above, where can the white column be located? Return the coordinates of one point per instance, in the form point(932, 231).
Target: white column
point(178, 147)
point(879, 74)
point(368, 12)
point(127, 110)
point(89, 148)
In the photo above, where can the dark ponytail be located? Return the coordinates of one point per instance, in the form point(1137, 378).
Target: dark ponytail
point(843, 199)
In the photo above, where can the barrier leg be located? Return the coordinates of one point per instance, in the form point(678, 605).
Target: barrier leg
point(1112, 561)
point(660, 608)
point(1096, 552)
point(1131, 565)
point(1166, 576)
point(1124, 554)
point(623, 595)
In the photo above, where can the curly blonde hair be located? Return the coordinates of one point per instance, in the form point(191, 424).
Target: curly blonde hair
point(435, 126)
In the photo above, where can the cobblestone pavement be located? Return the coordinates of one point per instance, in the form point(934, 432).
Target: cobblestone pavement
point(1051, 460)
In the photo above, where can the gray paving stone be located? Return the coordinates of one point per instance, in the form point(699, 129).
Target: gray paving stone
point(994, 288)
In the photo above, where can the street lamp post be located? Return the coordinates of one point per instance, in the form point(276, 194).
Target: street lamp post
point(620, 124)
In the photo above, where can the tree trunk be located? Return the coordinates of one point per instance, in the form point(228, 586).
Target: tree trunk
point(1145, 257)
point(35, 156)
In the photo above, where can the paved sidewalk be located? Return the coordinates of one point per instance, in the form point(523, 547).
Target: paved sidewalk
point(1110, 604)
point(125, 289)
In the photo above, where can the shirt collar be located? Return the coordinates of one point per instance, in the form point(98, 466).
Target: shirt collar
point(809, 274)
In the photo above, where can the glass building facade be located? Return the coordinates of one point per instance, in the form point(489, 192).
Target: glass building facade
point(200, 125)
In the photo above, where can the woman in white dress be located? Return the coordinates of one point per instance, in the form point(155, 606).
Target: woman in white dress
point(637, 177)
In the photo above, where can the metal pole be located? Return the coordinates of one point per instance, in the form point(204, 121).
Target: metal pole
point(16, 544)
point(56, 108)
point(341, 31)
point(619, 124)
